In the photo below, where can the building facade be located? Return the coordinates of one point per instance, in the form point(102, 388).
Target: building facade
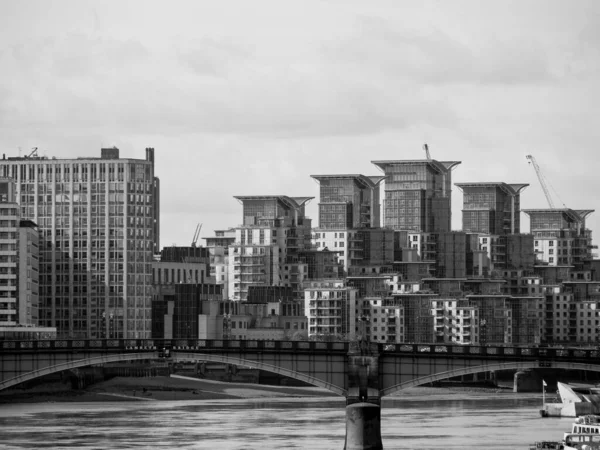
point(98, 220)
point(417, 195)
point(266, 247)
point(19, 266)
point(560, 236)
point(491, 208)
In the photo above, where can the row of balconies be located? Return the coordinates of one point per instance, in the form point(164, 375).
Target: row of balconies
point(325, 314)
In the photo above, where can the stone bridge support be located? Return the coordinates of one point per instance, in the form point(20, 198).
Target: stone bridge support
point(363, 400)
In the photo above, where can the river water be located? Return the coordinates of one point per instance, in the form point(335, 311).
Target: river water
point(464, 421)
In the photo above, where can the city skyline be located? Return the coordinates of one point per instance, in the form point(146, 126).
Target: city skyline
point(254, 103)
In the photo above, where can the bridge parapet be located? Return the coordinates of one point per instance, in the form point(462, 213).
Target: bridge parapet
point(173, 344)
point(495, 352)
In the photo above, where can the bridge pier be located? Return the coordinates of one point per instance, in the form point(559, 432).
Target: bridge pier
point(363, 398)
point(363, 427)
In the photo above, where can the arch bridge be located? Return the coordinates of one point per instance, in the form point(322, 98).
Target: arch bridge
point(331, 365)
point(362, 372)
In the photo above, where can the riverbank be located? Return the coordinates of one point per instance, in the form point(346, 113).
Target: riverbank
point(154, 389)
point(162, 388)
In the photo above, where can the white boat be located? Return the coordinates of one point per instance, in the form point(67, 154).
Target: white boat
point(584, 434)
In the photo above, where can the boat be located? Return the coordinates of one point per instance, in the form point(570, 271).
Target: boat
point(584, 435)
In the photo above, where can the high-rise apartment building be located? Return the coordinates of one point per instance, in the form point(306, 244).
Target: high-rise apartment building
point(560, 236)
point(266, 248)
point(491, 208)
point(348, 206)
point(348, 201)
point(417, 195)
point(98, 220)
point(19, 254)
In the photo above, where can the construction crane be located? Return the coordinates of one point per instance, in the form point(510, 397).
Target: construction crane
point(196, 234)
point(540, 176)
point(426, 148)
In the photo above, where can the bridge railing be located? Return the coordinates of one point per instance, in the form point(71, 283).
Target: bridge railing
point(494, 351)
point(225, 345)
point(151, 345)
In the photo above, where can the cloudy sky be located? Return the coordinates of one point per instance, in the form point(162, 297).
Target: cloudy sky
point(252, 97)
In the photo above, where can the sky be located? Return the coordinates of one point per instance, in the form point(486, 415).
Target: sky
point(253, 97)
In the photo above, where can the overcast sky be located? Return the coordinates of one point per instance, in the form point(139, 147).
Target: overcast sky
point(252, 97)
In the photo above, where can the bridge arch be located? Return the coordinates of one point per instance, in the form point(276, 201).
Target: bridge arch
point(225, 359)
point(517, 365)
point(73, 365)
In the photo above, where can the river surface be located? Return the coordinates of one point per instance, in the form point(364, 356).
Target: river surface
point(463, 421)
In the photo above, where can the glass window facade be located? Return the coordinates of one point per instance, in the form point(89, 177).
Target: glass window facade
point(97, 221)
point(417, 195)
point(350, 201)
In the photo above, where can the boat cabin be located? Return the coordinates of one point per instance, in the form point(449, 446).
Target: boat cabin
point(581, 441)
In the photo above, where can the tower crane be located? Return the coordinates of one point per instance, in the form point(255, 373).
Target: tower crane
point(426, 148)
point(542, 180)
point(196, 234)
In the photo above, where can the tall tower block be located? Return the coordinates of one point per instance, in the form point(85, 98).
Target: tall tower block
point(417, 195)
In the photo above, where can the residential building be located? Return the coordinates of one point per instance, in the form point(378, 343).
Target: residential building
point(28, 273)
point(19, 255)
point(266, 247)
point(560, 236)
point(348, 205)
point(218, 248)
point(491, 208)
point(98, 220)
point(331, 308)
point(417, 195)
point(348, 201)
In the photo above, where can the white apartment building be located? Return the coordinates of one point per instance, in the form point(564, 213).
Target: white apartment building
point(330, 307)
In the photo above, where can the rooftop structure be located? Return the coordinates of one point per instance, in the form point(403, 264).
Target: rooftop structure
point(264, 209)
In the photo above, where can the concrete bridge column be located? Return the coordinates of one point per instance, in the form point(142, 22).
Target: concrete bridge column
point(363, 400)
point(363, 427)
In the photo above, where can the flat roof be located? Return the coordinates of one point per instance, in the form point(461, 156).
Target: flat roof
point(369, 181)
point(511, 189)
point(440, 166)
point(293, 202)
point(573, 214)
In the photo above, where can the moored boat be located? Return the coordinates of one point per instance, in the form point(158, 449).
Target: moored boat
point(584, 434)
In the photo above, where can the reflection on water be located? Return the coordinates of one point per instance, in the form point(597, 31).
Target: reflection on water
point(434, 422)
